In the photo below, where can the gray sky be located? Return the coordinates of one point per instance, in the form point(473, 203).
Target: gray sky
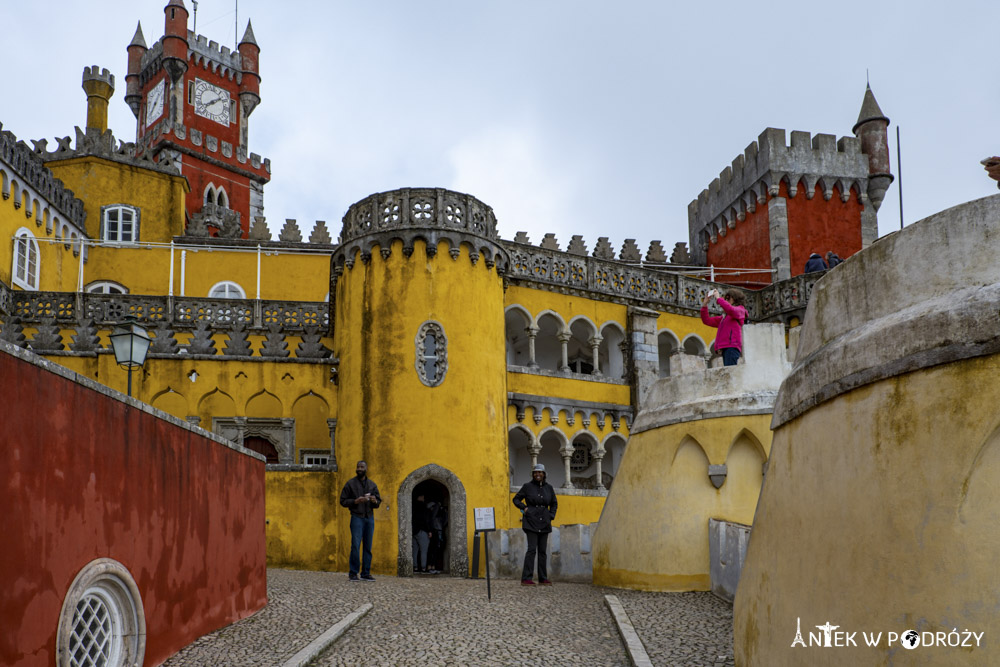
point(565, 116)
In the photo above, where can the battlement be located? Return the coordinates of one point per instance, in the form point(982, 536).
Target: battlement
point(219, 59)
point(26, 164)
point(757, 174)
point(629, 253)
point(95, 73)
point(92, 142)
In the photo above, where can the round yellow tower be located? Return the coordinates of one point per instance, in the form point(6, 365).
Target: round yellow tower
point(417, 310)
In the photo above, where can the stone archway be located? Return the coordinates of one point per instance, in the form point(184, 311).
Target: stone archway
point(458, 548)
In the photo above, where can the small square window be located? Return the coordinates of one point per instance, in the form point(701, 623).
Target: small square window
point(120, 224)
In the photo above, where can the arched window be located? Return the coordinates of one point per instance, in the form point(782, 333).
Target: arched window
point(431, 353)
point(667, 346)
point(106, 287)
point(26, 260)
point(210, 195)
point(221, 198)
point(119, 224)
point(694, 345)
point(226, 290)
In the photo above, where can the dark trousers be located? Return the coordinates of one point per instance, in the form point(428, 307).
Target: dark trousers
point(362, 531)
point(537, 543)
point(730, 355)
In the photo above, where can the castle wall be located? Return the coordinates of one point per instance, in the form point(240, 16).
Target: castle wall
point(653, 534)
point(817, 225)
point(97, 476)
point(747, 245)
point(879, 509)
point(100, 182)
point(389, 417)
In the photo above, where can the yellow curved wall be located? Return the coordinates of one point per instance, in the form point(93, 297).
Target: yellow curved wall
point(653, 534)
point(880, 514)
point(392, 420)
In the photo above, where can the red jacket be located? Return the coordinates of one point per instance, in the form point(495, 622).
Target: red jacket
point(730, 325)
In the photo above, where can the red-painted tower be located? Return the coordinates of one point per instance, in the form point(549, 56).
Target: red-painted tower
point(781, 201)
point(192, 100)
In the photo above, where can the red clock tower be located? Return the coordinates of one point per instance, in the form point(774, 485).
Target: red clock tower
point(192, 100)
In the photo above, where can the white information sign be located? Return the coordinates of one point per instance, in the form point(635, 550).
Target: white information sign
point(485, 519)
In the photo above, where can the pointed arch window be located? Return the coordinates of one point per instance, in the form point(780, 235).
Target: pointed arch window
point(431, 353)
point(26, 260)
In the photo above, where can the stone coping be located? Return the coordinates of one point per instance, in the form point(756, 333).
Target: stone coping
point(62, 371)
point(926, 295)
point(544, 372)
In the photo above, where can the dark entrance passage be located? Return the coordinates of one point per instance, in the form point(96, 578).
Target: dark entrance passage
point(432, 518)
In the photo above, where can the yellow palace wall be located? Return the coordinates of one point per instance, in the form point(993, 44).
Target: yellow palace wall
point(654, 531)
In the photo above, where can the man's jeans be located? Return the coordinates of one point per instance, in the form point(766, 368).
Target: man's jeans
point(421, 540)
point(362, 529)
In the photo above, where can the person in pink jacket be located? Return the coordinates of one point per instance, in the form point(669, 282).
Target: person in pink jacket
point(729, 339)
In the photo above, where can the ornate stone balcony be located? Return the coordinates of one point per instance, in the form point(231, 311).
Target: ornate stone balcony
point(70, 323)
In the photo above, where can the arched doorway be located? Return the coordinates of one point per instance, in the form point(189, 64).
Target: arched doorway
point(456, 549)
point(436, 514)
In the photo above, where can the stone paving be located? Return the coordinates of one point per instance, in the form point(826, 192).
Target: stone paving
point(438, 620)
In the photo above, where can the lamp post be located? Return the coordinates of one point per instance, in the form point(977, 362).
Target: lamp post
point(131, 343)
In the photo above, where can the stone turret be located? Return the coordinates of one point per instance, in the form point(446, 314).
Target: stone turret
point(871, 129)
point(100, 86)
point(250, 83)
point(136, 50)
point(175, 39)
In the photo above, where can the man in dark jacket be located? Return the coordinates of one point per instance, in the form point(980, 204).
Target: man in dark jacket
point(360, 495)
point(815, 263)
point(538, 504)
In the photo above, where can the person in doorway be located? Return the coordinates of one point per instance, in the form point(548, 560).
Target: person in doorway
point(438, 516)
point(815, 263)
point(361, 497)
point(729, 339)
point(421, 533)
point(538, 504)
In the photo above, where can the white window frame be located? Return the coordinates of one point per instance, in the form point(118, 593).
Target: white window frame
point(104, 287)
point(120, 209)
point(26, 264)
point(228, 285)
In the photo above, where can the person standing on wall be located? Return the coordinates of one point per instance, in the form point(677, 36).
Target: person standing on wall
point(361, 497)
point(729, 339)
point(538, 504)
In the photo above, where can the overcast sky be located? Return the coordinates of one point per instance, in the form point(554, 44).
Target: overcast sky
point(565, 116)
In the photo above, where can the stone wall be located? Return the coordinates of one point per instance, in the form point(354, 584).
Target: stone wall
point(727, 548)
point(569, 553)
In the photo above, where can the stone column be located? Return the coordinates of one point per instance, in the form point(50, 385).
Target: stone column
point(532, 332)
point(777, 217)
point(598, 457)
point(241, 426)
point(332, 425)
point(567, 455)
point(534, 449)
point(644, 352)
point(564, 339)
point(288, 431)
point(595, 346)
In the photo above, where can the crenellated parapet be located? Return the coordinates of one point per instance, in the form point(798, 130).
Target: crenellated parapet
point(174, 139)
point(27, 164)
point(630, 251)
point(432, 215)
point(217, 59)
point(755, 176)
point(92, 142)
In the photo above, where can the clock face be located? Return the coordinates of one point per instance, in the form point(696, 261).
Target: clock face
point(211, 101)
point(154, 101)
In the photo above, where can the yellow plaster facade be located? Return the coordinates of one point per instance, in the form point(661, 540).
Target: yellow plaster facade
point(653, 534)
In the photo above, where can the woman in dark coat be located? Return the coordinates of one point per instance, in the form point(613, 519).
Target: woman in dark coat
point(537, 502)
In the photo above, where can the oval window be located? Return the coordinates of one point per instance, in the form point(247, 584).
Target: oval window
point(431, 353)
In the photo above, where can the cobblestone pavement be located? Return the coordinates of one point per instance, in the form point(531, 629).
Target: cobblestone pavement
point(444, 621)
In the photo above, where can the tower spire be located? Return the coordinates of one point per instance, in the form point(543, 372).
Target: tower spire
point(871, 129)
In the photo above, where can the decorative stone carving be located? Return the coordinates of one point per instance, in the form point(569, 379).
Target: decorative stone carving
point(275, 344)
point(259, 230)
point(290, 232)
point(656, 253)
point(202, 342)
point(680, 254)
point(47, 337)
point(86, 338)
point(577, 246)
point(630, 252)
point(320, 234)
point(12, 332)
point(522, 237)
point(312, 346)
point(163, 340)
point(603, 249)
point(237, 345)
point(550, 242)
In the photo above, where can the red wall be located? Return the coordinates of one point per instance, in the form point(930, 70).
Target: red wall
point(88, 476)
point(746, 246)
point(816, 225)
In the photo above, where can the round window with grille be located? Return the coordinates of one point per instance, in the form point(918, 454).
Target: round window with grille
point(102, 623)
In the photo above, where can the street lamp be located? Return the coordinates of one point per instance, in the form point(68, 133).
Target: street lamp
point(131, 343)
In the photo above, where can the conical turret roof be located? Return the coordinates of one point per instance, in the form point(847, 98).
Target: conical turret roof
point(137, 38)
point(869, 110)
point(248, 36)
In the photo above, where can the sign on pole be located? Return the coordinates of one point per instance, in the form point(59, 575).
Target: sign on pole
point(485, 522)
